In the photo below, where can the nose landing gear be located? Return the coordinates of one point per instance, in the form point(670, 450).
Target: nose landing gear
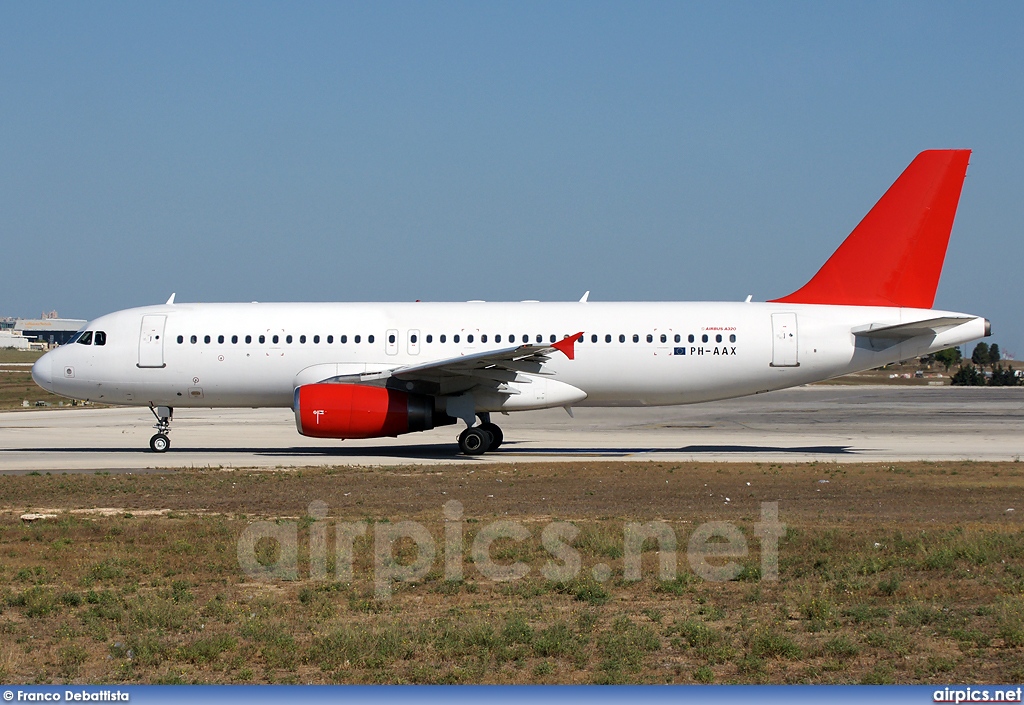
point(160, 443)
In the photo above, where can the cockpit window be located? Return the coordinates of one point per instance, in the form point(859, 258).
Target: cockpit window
point(76, 336)
point(86, 338)
point(100, 338)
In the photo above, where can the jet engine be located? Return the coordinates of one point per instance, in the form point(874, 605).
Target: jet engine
point(357, 411)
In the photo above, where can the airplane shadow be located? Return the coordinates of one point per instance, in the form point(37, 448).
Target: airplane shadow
point(448, 451)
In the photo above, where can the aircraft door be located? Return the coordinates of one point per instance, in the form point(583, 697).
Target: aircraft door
point(414, 342)
point(392, 342)
point(785, 341)
point(151, 341)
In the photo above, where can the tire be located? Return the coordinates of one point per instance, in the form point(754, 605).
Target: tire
point(496, 435)
point(474, 441)
point(159, 443)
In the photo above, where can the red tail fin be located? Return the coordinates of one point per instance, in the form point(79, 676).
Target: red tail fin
point(894, 256)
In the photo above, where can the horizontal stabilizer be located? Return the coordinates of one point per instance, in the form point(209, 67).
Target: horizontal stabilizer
point(906, 331)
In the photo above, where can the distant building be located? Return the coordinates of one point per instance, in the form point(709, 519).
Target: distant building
point(51, 331)
point(13, 339)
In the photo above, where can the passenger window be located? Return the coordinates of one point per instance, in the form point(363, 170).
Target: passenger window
point(608, 338)
point(650, 338)
point(704, 338)
point(553, 338)
point(101, 338)
point(540, 338)
point(343, 339)
point(593, 338)
point(526, 338)
point(391, 339)
point(622, 338)
point(181, 339)
point(234, 340)
point(413, 338)
point(330, 339)
point(443, 338)
point(302, 339)
point(690, 337)
point(718, 338)
point(430, 338)
point(483, 338)
point(369, 339)
point(455, 338)
point(316, 340)
point(732, 338)
point(636, 338)
point(220, 339)
point(194, 340)
point(469, 338)
point(664, 338)
point(275, 339)
point(263, 339)
point(497, 338)
point(288, 339)
point(248, 339)
point(678, 338)
point(357, 339)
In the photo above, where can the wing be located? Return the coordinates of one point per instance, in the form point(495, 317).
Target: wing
point(492, 369)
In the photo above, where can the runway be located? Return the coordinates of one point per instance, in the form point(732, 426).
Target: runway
point(817, 423)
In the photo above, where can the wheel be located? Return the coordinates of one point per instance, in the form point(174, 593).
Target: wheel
point(159, 443)
point(474, 441)
point(496, 435)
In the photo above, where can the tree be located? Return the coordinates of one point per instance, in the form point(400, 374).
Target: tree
point(1003, 377)
point(980, 356)
point(948, 357)
point(993, 353)
point(968, 376)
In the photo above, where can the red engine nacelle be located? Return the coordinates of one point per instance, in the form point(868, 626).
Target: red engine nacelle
point(355, 411)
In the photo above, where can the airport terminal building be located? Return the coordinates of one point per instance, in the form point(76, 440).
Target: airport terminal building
point(22, 332)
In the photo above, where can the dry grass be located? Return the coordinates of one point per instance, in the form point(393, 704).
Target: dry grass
point(16, 385)
point(928, 587)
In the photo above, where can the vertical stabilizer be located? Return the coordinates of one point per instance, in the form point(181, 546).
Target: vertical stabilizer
point(894, 256)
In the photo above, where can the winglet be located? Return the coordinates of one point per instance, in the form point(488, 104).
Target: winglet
point(894, 256)
point(568, 345)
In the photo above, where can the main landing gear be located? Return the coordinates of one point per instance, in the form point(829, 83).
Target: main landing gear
point(159, 443)
point(477, 440)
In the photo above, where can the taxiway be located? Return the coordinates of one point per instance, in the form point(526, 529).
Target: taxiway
point(817, 423)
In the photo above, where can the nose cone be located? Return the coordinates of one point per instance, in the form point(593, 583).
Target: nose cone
point(42, 372)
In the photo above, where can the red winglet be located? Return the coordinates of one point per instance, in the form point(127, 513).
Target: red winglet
point(568, 345)
point(894, 256)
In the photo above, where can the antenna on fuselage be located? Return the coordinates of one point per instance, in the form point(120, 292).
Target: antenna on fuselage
point(170, 301)
point(586, 296)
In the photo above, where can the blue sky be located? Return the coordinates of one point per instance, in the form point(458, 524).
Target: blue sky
point(452, 151)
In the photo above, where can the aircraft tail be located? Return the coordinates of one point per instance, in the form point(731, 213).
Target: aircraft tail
point(894, 256)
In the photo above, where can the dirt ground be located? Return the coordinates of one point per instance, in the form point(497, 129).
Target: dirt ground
point(909, 494)
point(887, 573)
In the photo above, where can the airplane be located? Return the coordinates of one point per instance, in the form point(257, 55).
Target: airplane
point(372, 370)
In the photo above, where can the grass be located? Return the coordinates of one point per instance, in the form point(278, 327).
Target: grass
point(142, 597)
point(16, 387)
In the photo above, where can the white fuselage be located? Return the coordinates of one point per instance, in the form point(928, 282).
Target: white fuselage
point(644, 354)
